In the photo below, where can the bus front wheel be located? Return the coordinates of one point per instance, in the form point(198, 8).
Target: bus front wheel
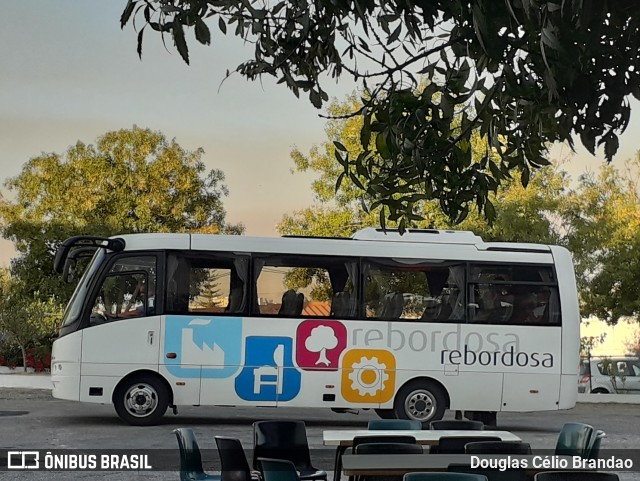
point(423, 401)
point(141, 400)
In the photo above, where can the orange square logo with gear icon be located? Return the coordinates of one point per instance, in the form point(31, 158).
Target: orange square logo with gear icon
point(368, 376)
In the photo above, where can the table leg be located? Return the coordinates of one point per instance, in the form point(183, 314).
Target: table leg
point(337, 467)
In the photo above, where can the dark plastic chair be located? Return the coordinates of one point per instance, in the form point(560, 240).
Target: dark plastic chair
point(596, 441)
point(457, 424)
point(285, 440)
point(443, 477)
point(574, 440)
point(190, 457)
point(235, 466)
point(575, 476)
point(388, 448)
point(394, 425)
point(456, 444)
point(373, 449)
point(497, 447)
point(401, 439)
point(277, 470)
point(491, 474)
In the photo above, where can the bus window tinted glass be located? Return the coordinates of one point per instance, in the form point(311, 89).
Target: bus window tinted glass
point(513, 294)
point(305, 286)
point(396, 290)
point(127, 291)
point(206, 284)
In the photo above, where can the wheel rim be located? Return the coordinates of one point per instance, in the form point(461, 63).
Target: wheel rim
point(141, 400)
point(420, 404)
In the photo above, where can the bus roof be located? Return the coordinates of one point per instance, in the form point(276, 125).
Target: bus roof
point(369, 242)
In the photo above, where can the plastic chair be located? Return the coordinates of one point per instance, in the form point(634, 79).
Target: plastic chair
point(457, 424)
point(575, 476)
point(235, 466)
point(491, 474)
point(277, 470)
point(394, 424)
point(358, 440)
point(574, 440)
point(190, 458)
point(373, 449)
point(388, 448)
point(497, 447)
point(456, 444)
point(443, 477)
point(596, 441)
point(285, 440)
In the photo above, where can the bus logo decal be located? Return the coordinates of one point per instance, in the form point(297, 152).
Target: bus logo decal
point(208, 348)
point(269, 373)
point(319, 344)
point(368, 375)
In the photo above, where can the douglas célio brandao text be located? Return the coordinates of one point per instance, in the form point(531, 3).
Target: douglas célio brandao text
point(506, 462)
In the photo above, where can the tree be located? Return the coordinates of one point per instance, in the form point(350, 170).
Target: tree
point(601, 222)
point(130, 181)
point(27, 321)
point(520, 74)
point(522, 214)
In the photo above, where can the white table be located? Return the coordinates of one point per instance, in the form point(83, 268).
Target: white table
point(343, 439)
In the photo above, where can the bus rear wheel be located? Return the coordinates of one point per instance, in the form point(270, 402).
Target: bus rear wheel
point(423, 401)
point(141, 400)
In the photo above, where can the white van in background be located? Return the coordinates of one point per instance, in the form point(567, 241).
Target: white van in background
point(609, 375)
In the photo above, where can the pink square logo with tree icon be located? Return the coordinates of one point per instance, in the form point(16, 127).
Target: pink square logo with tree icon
point(319, 344)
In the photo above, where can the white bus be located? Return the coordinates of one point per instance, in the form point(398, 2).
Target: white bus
point(407, 325)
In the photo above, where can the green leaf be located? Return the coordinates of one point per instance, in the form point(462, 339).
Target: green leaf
point(203, 35)
point(222, 26)
point(611, 147)
point(339, 146)
point(179, 40)
point(524, 176)
point(126, 13)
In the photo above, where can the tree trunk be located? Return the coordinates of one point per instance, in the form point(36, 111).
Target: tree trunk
point(24, 358)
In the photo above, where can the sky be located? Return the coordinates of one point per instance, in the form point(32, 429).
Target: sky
point(68, 73)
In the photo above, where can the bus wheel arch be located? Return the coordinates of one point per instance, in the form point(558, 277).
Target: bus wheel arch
point(141, 398)
point(424, 399)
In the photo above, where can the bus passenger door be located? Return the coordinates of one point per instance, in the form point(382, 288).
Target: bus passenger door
point(123, 333)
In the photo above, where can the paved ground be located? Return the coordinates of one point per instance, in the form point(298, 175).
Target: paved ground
point(32, 419)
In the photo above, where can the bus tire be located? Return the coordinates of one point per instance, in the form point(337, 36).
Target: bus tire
point(385, 413)
point(141, 400)
point(421, 400)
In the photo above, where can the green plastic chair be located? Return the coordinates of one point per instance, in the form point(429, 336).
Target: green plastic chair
point(596, 441)
point(394, 425)
point(490, 474)
point(190, 458)
point(277, 470)
point(443, 477)
point(575, 439)
point(457, 424)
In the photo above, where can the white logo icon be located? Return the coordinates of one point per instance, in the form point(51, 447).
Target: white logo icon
point(368, 376)
point(23, 460)
point(321, 340)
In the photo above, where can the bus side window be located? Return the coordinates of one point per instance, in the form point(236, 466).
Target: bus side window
point(305, 286)
point(206, 284)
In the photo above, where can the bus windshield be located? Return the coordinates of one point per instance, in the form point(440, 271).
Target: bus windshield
point(74, 308)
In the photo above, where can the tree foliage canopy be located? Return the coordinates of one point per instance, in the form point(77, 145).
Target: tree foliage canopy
point(521, 74)
point(130, 181)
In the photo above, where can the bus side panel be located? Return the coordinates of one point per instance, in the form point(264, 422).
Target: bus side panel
point(112, 350)
point(65, 366)
point(524, 392)
point(568, 391)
